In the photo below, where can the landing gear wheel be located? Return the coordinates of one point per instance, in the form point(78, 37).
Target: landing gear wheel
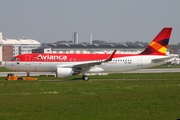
point(20, 78)
point(85, 78)
point(28, 74)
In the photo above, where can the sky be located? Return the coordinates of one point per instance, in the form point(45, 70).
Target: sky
point(110, 20)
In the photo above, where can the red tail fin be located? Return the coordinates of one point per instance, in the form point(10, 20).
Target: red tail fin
point(159, 44)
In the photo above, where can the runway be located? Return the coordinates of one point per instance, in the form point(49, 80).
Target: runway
point(136, 71)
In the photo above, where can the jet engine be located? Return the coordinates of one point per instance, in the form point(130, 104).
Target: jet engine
point(66, 72)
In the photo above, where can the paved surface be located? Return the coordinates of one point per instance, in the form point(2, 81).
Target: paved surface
point(136, 71)
point(164, 70)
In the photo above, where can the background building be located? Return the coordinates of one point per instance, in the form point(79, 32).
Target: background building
point(87, 49)
point(13, 47)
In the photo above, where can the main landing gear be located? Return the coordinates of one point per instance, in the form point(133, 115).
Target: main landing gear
point(28, 74)
point(86, 78)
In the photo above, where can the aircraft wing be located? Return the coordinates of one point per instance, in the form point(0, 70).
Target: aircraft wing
point(162, 59)
point(86, 65)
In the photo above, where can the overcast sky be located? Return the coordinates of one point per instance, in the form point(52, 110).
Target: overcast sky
point(115, 20)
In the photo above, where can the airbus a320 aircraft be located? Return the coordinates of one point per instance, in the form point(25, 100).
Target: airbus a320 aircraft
point(66, 65)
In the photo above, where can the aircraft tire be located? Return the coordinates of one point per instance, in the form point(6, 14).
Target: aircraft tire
point(20, 78)
point(86, 78)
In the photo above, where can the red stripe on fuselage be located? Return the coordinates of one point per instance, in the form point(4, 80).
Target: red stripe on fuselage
point(68, 57)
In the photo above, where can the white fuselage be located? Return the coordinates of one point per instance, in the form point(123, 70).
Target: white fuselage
point(116, 65)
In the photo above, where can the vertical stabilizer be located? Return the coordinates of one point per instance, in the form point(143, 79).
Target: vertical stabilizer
point(159, 44)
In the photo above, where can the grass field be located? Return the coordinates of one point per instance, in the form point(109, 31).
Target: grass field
point(113, 97)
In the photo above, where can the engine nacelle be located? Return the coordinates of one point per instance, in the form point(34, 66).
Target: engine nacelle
point(65, 72)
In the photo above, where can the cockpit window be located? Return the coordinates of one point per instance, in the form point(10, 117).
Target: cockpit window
point(15, 59)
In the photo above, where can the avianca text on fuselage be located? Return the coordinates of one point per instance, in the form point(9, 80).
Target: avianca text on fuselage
point(52, 57)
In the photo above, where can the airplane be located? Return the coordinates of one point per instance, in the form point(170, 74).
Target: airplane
point(66, 65)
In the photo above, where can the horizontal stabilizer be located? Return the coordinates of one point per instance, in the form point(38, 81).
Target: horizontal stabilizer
point(162, 59)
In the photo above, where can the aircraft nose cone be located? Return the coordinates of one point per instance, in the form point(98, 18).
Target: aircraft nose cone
point(7, 65)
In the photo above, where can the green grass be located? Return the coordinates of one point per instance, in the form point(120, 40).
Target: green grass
point(3, 69)
point(112, 97)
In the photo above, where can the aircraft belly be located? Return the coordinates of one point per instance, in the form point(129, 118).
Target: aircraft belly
point(33, 67)
point(117, 68)
point(96, 69)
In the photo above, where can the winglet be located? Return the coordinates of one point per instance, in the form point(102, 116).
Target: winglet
point(111, 56)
